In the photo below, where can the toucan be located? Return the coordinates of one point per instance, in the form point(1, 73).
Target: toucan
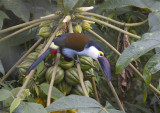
point(71, 44)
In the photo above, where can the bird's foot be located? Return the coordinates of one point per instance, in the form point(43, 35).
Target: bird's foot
point(77, 61)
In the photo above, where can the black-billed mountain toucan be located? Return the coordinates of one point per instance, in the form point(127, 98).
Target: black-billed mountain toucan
point(71, 44)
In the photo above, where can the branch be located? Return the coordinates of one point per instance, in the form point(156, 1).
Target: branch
point(20, 60)
point(95, 89)
point(33, 71)
point(52, 80)
point(118, 53)
point(30, 22)
point(108, 25)
point(78, 66)
point(114, 21)
point(113, 90)
point(19, 31)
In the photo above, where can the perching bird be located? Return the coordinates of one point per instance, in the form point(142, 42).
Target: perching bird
point(71, 44)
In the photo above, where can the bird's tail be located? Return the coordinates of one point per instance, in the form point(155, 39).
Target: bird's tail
point(42, 57)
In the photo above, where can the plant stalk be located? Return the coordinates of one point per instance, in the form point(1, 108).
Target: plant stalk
point(118, 53)
point(113, 90)
point(20, 60)
point(108, 25)
point(114, 21)
point(52, 80)
point(95, 89)
point(29, 23)
point(78, 66)
point(19, 31)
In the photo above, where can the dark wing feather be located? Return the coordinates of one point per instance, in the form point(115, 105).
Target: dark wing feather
point(75, 41)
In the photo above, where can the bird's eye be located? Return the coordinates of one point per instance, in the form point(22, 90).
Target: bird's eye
point(101, 53)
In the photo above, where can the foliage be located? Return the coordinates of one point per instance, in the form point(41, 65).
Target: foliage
point(138, 98)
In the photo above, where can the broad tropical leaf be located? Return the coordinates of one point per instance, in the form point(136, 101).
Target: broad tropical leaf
point(2, 17)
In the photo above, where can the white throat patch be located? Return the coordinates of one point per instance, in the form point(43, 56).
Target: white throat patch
point(92, 52)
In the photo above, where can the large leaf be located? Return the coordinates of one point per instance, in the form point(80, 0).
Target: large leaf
point(4, 94)
point(111, 4)
point(15, 104)
point(40, 67)
point(75, 102)
point(2, 17)
point(71, 5)
point(151, 67)
point(154, 19)
point(18, 8)
point(33, 108)
point(137, 49)
point(1, 68)
point(56, 94)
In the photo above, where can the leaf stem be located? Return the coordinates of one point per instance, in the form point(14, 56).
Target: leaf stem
point(17, 32)
point(52, 80)
point(29, 23)
point(95, 89)
point(108, 25)
point(113, 91)
point(78, 66)
point(20, 60)
point(118, 53)
point(114, 21)
point(33, 71)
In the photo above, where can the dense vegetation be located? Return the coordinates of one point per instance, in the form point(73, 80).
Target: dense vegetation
point(128, 30)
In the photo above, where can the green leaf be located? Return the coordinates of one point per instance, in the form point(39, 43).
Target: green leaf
point(4, 94)
point(114, 111)
point(111, 4)
point(137, 49)
point(154, 19)
point(71, 5)
point(18, 8)
point(74, 102)
point(151, 67)
point(15, 104)
point(33, 108)
point(40, 67)
point(56, 94)
point(145, 94)
point(2, 17)
point(1, 68)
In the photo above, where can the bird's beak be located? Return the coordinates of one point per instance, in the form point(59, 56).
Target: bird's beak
point(105, 67)
point(42, 57)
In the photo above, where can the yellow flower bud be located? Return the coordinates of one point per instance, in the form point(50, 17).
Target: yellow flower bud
point(78, 28)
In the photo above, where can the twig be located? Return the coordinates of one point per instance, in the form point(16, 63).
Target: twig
point(113, 90)
point(33, 71)
point(78, 66)
point(29, 23)
point(95, 89)
point(108, 25)
point(114, 21)
point(118, 53)
point(53, 78)
point(19, 31)
point(20, 60)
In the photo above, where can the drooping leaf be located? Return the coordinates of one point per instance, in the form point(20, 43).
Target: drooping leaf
point(18, 8)
point(1, 68)
point(33, 108)
point(56, 94)
point(151, 67)
point(15, 104)
point(137, 49)
point(40, 67)
point(4, 94)
point(145, 94)
point(2, 17)
point(111, 4)
point(71, 5)
point(74, 102)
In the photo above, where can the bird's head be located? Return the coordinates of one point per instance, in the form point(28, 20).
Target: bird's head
point(97, 53)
